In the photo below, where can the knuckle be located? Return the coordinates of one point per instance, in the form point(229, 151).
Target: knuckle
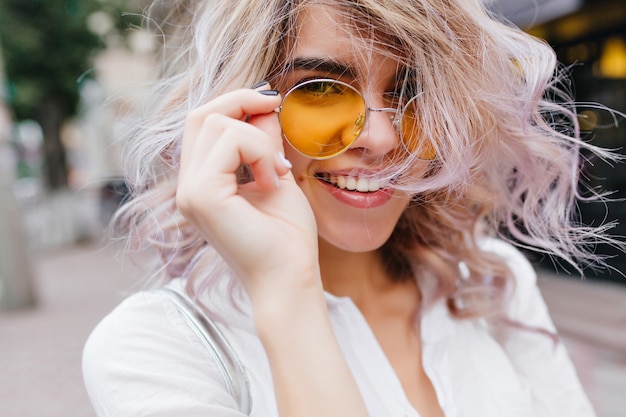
point(215, 123)
point(200, 116)
point(186, 199)
point(195, 115)
point(191, 202)
point(230, 132)
point(183, 202)
point(214, 118)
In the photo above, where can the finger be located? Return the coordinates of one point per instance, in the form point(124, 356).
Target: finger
point(207, 176)
point(239, 145)
point(223, 144)
point(232, 105)
point(197, 144)
point(239, 103)
point(269, 123)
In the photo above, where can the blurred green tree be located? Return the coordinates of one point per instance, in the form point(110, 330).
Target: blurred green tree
point(48, 47)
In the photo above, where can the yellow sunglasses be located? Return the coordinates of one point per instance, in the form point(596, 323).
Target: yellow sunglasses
point(321, 118)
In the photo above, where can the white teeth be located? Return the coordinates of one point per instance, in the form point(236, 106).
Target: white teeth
point(351, 183)
point(363, 185)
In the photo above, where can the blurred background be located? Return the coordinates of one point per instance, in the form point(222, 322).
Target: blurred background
point(71, 69)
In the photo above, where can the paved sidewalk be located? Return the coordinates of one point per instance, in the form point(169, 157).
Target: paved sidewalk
point(40, 348)
point(591, 319)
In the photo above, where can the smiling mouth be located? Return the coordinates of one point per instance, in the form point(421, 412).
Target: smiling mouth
point(353, 183)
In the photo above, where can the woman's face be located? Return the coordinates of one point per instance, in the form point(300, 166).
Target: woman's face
point(352, 220)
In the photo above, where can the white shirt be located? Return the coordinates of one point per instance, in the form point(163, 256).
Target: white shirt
point(144, 360)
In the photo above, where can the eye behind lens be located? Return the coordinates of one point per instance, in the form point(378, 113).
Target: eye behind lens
point(322, 118)
point(321, 87)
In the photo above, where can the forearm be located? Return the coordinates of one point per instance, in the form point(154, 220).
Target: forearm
point(311, 376)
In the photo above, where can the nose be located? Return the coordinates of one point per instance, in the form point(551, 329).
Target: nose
point(379, 135)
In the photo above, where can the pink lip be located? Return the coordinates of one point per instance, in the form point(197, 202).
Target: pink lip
point(357, 199)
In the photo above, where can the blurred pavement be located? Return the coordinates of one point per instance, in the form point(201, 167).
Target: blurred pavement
point(40, 348)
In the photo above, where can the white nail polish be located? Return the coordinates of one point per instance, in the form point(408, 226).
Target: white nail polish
point(284, 160)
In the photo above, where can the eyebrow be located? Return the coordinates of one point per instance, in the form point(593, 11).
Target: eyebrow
point(327, 66)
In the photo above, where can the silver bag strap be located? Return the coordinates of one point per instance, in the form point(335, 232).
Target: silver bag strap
point(228, 364)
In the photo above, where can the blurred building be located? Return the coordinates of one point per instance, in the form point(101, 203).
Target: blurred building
point(589, 37)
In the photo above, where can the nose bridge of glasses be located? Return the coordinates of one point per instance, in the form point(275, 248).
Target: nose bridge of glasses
point(395, 115)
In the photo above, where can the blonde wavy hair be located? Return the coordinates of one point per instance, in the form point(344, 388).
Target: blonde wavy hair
point(505, 132)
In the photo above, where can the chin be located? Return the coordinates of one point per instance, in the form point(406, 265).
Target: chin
point(357, 239)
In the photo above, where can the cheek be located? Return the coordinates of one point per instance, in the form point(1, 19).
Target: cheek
point(299, 162)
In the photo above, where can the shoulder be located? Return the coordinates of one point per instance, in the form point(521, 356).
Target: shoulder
point(525, 304)
point(517, 262)
point(133, 325)
point(143, 359)
point(540, 360)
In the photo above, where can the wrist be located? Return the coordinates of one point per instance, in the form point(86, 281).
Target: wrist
point(287, 313)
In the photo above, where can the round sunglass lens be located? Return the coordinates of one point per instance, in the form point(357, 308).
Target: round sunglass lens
point(412, 138)
point(322, 118)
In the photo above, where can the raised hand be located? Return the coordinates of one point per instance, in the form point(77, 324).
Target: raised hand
point(264, 229)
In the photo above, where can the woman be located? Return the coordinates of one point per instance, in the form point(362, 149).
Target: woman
point(338, 220)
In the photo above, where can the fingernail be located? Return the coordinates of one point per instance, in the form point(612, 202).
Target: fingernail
point(259, 84)
point(284, 160)
point(269, 92)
